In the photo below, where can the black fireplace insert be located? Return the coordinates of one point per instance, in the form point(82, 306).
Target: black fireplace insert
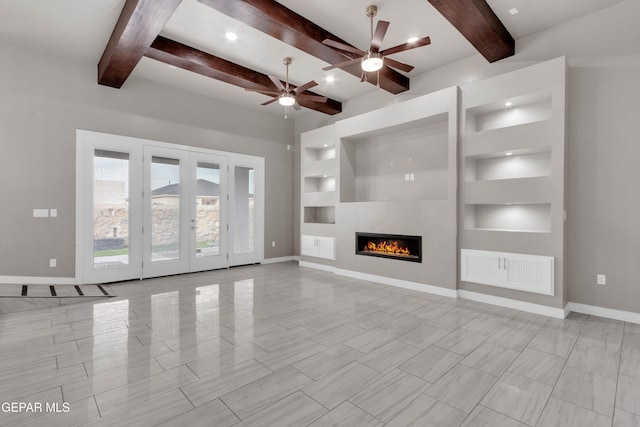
point(393, 246)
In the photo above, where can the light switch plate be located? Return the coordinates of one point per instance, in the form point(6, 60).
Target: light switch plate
point(53, 262)
point(41, 213)
point(53, 213)
point(602, 279)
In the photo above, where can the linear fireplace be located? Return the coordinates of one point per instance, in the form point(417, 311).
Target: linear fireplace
point(393, 246)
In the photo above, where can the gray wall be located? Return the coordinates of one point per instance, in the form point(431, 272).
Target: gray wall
point(603, 137)
point(604, 194)
point(45, 99)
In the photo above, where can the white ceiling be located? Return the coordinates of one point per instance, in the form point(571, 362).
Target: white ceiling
point(80, 29)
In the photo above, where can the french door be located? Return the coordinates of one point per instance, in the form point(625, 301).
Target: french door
point(149, 210)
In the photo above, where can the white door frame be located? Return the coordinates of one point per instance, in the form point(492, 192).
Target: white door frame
point(87, 142)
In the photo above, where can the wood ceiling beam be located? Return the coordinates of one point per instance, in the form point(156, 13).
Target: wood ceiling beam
point(188, 58)
point(274, 19)
point(475, 20)
point(139, 24)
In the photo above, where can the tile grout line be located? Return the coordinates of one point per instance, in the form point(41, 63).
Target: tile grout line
point(566, 360)
point(615, 396)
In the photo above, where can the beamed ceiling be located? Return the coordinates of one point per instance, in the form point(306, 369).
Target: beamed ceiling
point(137, 34)
point(181, 43)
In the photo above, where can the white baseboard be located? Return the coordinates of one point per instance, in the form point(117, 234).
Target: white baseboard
point(296, 257)
point(36, 280)
point(323, 267)
point(277, 260)
point(610, 313)
point(514, 304)
point(436, 290)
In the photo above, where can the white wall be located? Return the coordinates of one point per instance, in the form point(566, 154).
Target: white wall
point(44, 99)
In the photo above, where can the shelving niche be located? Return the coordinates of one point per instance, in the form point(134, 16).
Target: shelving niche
point(513, 164)
point(513, 169)
point(318, 192)
point(408, 162)
point(509, 111)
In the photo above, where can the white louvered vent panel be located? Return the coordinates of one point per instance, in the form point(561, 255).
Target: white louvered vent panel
point(482, 267)
point(526, 272)
point(530, 273)
point(479, 267)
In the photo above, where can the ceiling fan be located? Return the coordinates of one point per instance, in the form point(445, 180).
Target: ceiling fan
point(374, 59)
point(285, 95)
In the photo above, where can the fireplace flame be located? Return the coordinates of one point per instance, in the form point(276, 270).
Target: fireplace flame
point(391, 247)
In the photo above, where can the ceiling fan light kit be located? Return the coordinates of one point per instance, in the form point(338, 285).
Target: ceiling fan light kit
point(286, 100)
point(374, 59)
point(286, 96)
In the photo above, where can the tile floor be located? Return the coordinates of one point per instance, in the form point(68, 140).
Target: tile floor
point(280, 345)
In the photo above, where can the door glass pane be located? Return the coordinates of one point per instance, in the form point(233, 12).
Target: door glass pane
point(166, 194)
point(207, 210)
point(244, 208)
point(110, 208)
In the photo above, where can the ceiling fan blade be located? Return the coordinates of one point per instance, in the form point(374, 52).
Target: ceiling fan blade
point(342, 46)
point(378, 35)
point(406, 46)
point(307, 85)
point(297, 107)
point(399, 65)
point(276, 81)
point(342, 64)
point(264, 92)
point(314, 98)
point(270, 101)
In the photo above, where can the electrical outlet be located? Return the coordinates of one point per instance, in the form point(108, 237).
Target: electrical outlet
point(273, 244)
point(601, 279)
point(53, 262)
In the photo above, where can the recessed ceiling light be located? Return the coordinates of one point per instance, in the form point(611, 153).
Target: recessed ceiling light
point(513, 11)
point(326, 145)
point(508, 104)
point(508, 153)
point(413, 39)
point(231, 35)
point(329, 79)
point(325, 176)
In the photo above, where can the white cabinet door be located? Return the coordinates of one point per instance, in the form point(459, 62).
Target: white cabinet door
point(319, 247)
point(326, 248)
point(480, 267)
point(530, 273)
point(308, 246)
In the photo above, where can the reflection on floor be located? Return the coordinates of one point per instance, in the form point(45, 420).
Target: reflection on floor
point(281, 345)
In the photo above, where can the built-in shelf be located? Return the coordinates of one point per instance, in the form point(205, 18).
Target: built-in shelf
point(509, 217)
point(323, 183)
point(512, 164)
point(318, 172)
point(507, 112)
point(324, 152)
point(319, 214)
